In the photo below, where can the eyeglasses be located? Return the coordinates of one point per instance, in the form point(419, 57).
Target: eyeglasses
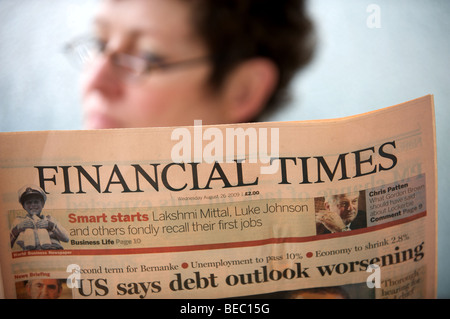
point(85, 50)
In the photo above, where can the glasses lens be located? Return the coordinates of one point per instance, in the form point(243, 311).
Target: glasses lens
point(83, 51)
point(129, 66)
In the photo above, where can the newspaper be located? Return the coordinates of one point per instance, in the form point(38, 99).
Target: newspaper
point(344, 207)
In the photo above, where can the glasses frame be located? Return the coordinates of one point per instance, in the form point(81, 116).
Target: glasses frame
point(79, 49)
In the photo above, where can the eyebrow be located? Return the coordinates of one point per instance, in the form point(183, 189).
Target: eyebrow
point(103, 23)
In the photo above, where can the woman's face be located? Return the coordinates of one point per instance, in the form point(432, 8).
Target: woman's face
point(164, 97)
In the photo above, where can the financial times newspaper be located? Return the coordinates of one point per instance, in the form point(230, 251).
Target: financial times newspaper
point(344, 208)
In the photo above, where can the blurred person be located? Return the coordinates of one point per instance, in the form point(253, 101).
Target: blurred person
point(153, 63)
point(340, 214)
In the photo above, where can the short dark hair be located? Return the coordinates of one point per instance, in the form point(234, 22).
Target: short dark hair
point(237, 30)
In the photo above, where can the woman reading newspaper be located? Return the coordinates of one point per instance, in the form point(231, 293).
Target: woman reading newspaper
point(169, 62)
point(235, 233)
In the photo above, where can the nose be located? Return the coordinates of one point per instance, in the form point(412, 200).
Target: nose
point(100, 76)
point(45, 292)
point(352, 206)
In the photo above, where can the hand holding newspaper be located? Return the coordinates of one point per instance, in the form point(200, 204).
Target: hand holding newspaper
point(345, 208)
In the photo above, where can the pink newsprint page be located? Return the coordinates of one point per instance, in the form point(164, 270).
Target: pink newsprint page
point(344, 207)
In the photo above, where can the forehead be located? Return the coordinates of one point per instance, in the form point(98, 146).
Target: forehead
point(166, 19)
point(348, 197)
point(33, 198)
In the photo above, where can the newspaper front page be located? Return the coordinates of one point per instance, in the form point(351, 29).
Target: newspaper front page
point(342, 208)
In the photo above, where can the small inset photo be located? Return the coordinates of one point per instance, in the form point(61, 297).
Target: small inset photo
point(43, 288)
point(340, 212)
point(31, 228)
